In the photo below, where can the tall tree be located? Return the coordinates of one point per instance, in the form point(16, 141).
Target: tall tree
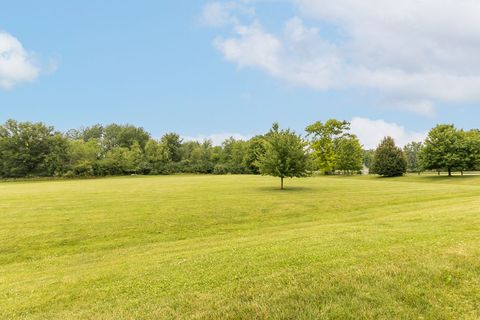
point(349, 154)
point(323, 140)
point(470, 150)
point(173, 146)
point(412, 154)
point(124, 136)
point(389, 160)
point(155, 157)
point(285, 155)
point(233, 156)
point(443, 149)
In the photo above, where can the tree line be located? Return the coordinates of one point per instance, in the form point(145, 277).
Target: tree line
point(37, 150)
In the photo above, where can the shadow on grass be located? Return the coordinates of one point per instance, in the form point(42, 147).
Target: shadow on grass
point(430, 178)
point(286, 189)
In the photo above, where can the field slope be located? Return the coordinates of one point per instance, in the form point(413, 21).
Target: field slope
point(235, 247)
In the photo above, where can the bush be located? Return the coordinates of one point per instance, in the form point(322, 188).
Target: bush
point(220, 169)
point(83, 169)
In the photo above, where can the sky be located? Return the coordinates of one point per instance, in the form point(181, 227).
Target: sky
point(214, 69)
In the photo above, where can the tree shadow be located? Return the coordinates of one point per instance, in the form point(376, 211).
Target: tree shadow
point(286, 189)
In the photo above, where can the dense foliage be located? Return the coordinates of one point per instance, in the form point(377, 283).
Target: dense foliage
point(334, 148)
point(36, 150)
point(448, 149)
point(284, 155)
point(412, 155)
point(389, 160)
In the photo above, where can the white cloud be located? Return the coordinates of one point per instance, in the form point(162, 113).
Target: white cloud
point(421, 107)
point(217, 138)
point(371, 132)
point(219, 14)
point(16, 64)
point(423, 52)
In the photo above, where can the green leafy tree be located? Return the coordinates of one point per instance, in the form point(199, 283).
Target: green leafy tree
point(31, 149)
point(443, 149)
point(173, 146)
point(116, 161)
point(285, 155)
point(234, 154)
point(470, 150)
point(389, 160)
point(155, 157)
point(349, 154)
point(412, 154)
point(136, 160)
point(94, 132)
point(368, 159)
point(255, 149)
point(124, 136)
point(201, 157)
point(323, 140)
point(84, 156)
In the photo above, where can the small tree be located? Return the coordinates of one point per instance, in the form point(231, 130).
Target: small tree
point(389, 160)
point(284, 156)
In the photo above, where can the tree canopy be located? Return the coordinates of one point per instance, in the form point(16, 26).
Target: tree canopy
point(285, 155)
point(447, 148)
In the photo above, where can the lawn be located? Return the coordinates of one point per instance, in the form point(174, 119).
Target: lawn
point(236, 247)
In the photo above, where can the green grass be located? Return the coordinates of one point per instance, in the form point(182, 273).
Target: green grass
point(235, 247)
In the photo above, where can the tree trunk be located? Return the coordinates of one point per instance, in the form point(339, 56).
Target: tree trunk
point(438, 172)
point(281, 183)
point(449, 172)
point(462, 173)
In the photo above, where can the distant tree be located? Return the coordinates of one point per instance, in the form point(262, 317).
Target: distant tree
point(86, 134)
point(136, 161)
point(389, 160)
point(255, 149)
point(94, 132)
point(31, 149)
point(285, 155)
point(368, 159)
point(117, 161)
point(470, 150)
point(124, 136)
point(84, 156)
point(201, 157)
point(412, 154)
point(233, 155)
point(155, 157)
point(349, 154)
point(443, 149)
point(323, 140)
point(172, 143)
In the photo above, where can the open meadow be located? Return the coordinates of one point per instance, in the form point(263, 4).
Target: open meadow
point(236, 247)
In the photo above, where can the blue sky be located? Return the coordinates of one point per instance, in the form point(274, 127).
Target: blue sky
point(204, 68)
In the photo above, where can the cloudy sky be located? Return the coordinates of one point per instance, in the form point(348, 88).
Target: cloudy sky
point(212, 69)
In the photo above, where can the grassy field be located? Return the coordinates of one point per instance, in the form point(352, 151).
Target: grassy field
point(235, 247)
